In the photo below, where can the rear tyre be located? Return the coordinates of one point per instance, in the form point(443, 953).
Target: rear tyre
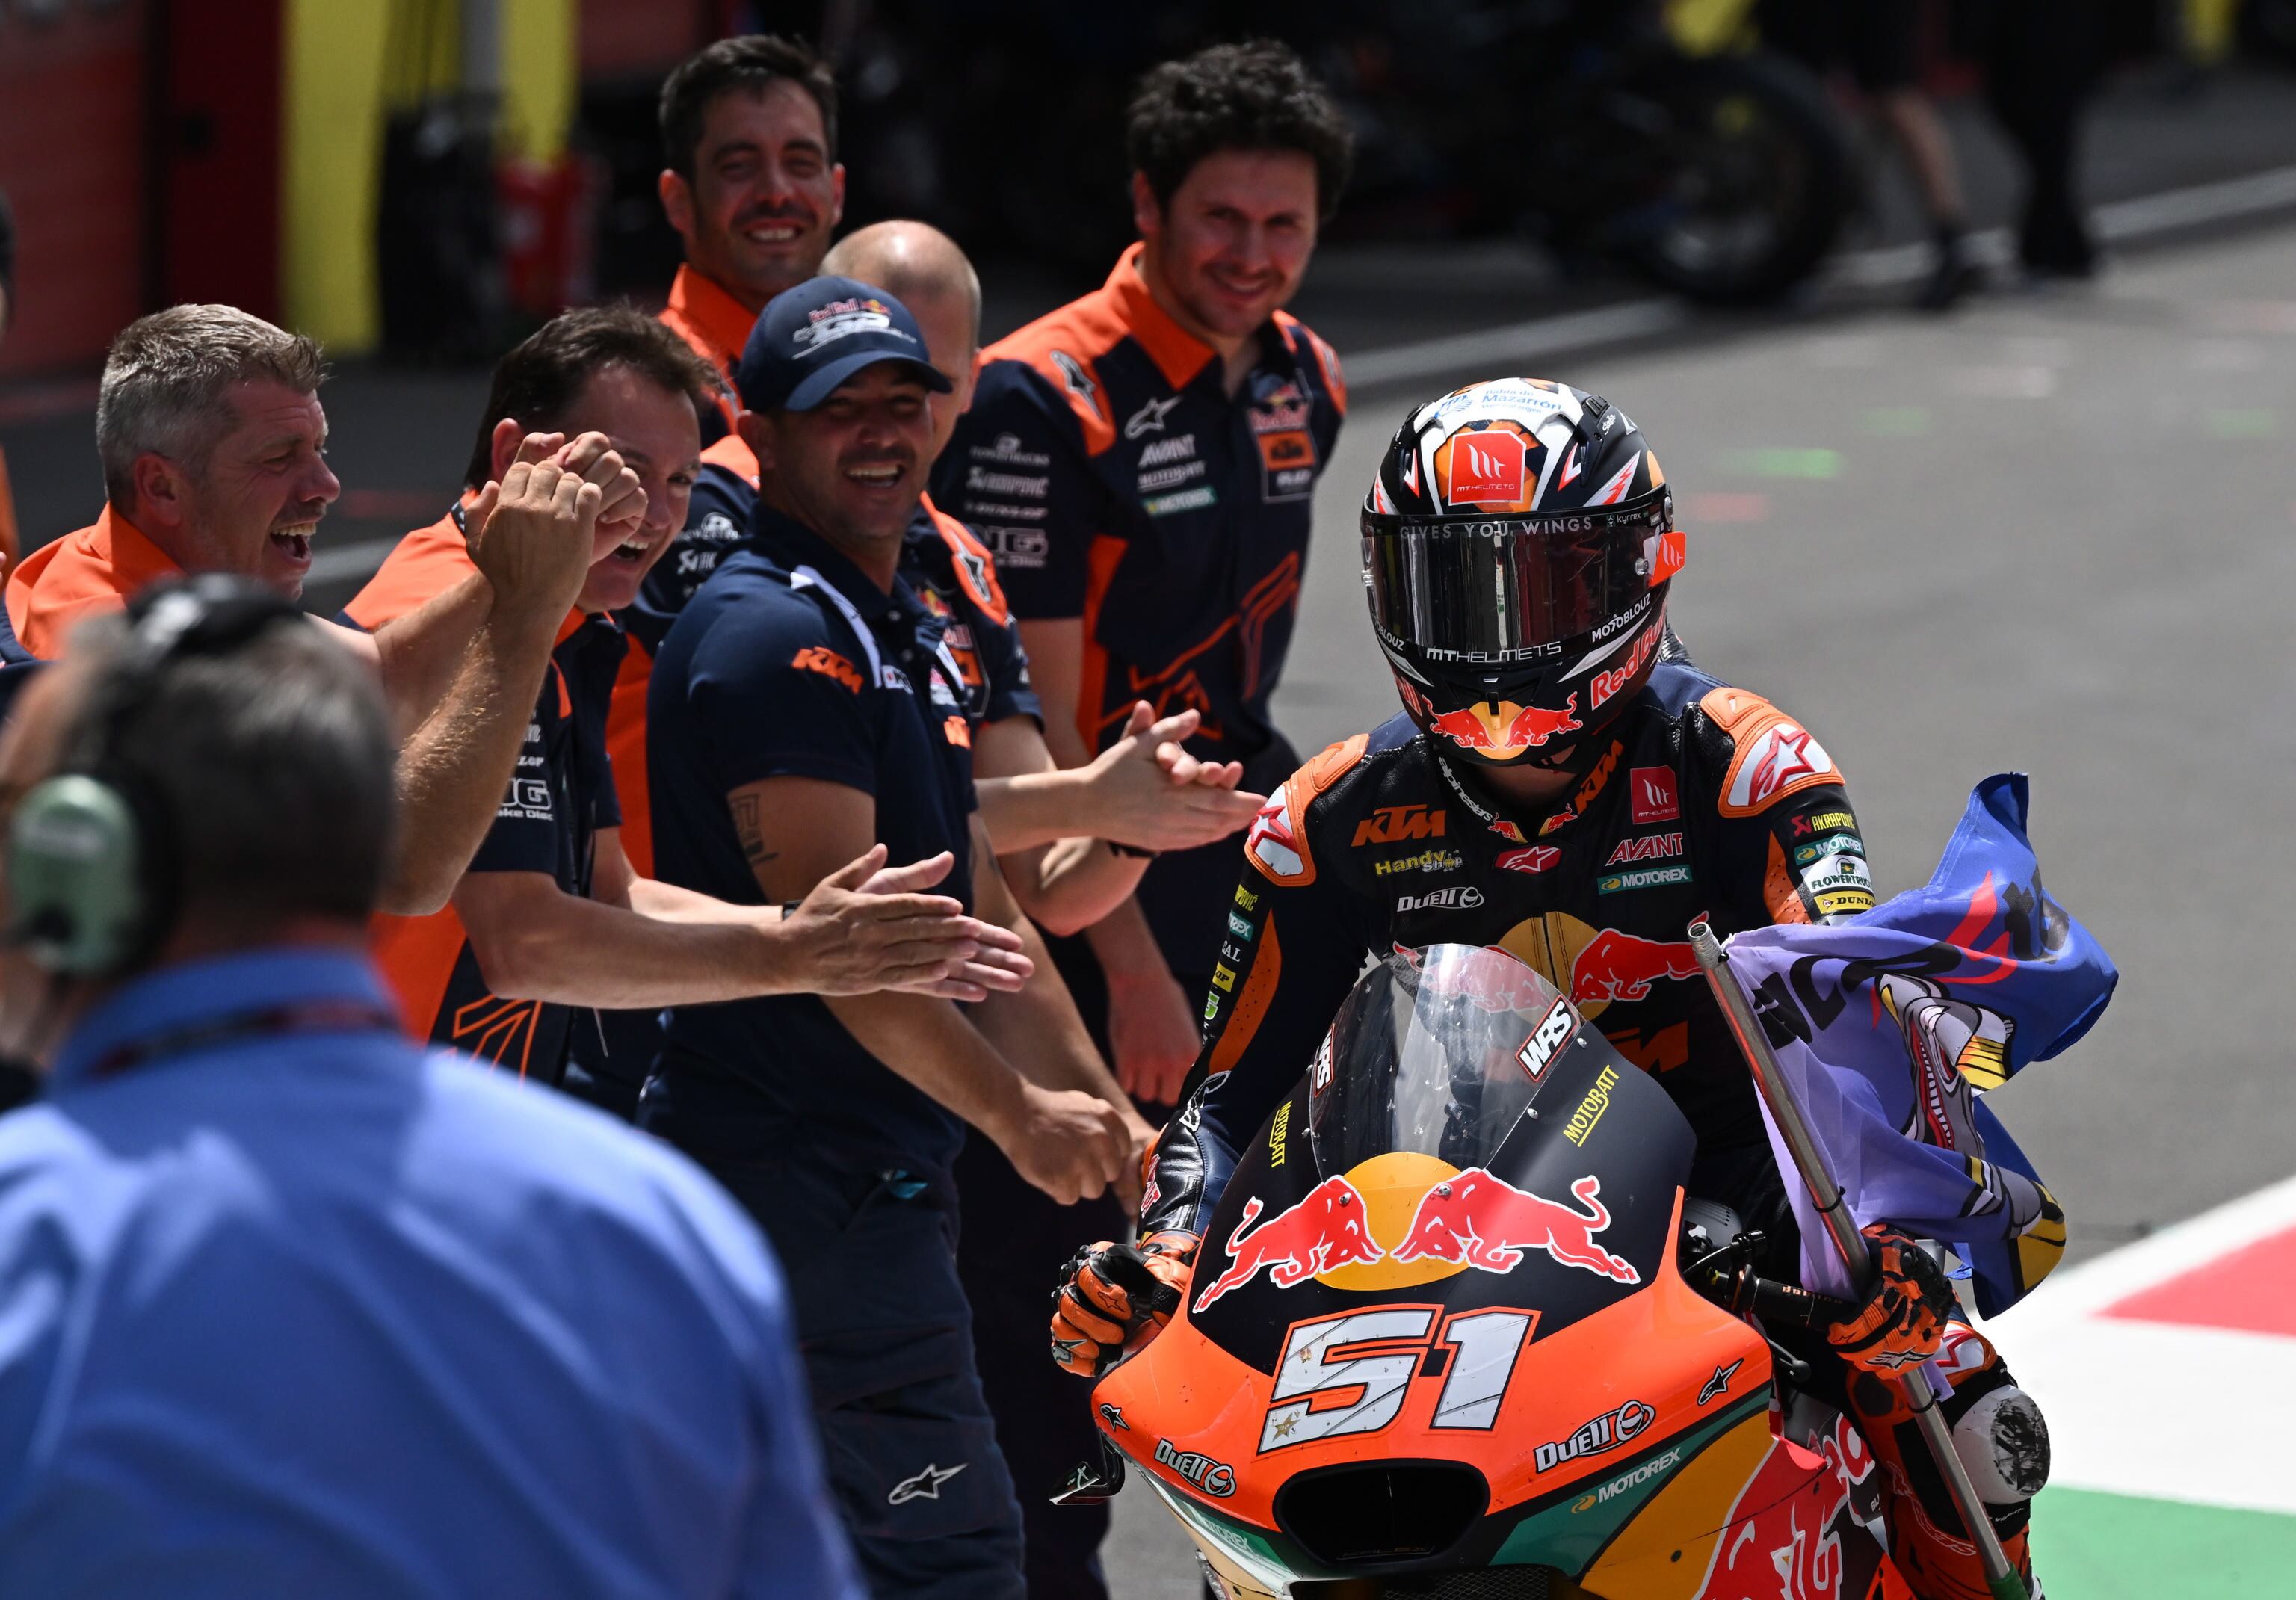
point(1754, 180)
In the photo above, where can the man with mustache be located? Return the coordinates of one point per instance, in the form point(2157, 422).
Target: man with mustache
point(804, 704)
point(752, 185)
point(550, 919)
point(214, 450)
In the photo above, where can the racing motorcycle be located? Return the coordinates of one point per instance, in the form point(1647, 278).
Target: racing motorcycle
point(1443, 1340)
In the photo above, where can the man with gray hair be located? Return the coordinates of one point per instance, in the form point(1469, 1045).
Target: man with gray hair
point(213, 440)
point(275, 1316)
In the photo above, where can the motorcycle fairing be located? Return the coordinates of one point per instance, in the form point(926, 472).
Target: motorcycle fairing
point(1636, 1144)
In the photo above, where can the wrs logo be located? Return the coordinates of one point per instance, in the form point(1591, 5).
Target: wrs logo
point(1397, 825)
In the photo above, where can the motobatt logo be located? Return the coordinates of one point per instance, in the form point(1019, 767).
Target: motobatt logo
point(1530, 859)
point(1326, 1229)
point(821, 659)
point(1489, 1223)
point(1605, 1433)
point(1214, 1477)
point(1649, 847)
point(1440, 899)
point(1483, 467)
point(1397, 825)
point(1425, 861)
point(1591, 1109)
point(1546, 1040)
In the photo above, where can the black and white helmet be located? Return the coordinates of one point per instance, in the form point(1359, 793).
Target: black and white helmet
point(1518, 541)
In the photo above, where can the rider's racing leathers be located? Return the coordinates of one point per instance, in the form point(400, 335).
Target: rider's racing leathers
point(1704, 800)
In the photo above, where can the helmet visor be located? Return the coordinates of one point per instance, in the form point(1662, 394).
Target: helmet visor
point(1497, 588)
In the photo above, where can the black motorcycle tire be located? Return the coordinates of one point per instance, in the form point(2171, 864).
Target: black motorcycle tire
point(1806, 173)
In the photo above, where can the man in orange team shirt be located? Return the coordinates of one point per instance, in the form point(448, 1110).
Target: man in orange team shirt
point(550, 920)
point(213, 443)
point(749, 127)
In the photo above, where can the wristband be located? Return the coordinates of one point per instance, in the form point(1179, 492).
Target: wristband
point(788, 908)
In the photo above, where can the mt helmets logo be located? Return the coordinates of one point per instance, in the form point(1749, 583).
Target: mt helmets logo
point(1486, 466)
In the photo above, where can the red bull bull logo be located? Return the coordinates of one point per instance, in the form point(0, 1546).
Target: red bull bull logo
point(1328, 1229)
point(1486, 1223)
point(1620, 966)
point(1505, 728)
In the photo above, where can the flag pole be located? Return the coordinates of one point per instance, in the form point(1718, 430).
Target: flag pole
point(1778, 1095)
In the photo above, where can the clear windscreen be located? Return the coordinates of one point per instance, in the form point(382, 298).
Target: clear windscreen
point(1433, 1050)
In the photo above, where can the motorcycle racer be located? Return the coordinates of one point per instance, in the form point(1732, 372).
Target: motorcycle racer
point(1555, 788)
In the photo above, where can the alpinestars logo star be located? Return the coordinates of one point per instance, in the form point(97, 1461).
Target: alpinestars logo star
point(925, 1485)
point(1150, 418)
point(1719, 1383)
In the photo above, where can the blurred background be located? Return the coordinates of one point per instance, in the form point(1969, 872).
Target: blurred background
point(1978, 383)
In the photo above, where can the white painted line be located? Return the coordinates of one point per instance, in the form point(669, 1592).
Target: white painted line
point(2167, 1411)
point(1533, 341)
point(2148, 214)
point(2082, 1292)
point(1882, 267)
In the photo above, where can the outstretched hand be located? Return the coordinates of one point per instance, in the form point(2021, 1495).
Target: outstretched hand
point(1145, 790)
point(867, 927)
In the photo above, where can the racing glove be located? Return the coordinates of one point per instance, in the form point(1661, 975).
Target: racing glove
point(1112, 1299)
point(1901, 1321)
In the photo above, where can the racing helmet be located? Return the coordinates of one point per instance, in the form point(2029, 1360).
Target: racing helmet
point(1518, 542)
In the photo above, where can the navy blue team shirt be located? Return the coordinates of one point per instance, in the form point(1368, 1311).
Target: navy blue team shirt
point(791, 662)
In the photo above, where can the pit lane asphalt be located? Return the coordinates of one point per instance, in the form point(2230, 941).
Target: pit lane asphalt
point(2055, 533)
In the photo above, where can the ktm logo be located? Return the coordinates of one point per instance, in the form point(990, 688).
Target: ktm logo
point(821, 659)
point(1394, 825)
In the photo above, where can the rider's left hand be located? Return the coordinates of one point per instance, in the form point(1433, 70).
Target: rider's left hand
point(1113, 1298)
point(1901, 1321)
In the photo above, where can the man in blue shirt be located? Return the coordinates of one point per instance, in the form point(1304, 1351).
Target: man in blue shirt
point(289, 1305)
point(807, 699)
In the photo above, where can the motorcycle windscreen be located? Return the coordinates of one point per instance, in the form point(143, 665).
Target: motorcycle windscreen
point(1462, 1139)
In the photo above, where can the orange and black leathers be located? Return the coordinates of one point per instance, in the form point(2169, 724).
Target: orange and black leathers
point(1115, 480)
point(562, 793)
point(1701, 802)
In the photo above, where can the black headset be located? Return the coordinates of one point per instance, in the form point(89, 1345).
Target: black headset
point(95, 867)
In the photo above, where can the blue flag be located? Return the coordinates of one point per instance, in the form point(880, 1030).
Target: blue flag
point(1892, 1026)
